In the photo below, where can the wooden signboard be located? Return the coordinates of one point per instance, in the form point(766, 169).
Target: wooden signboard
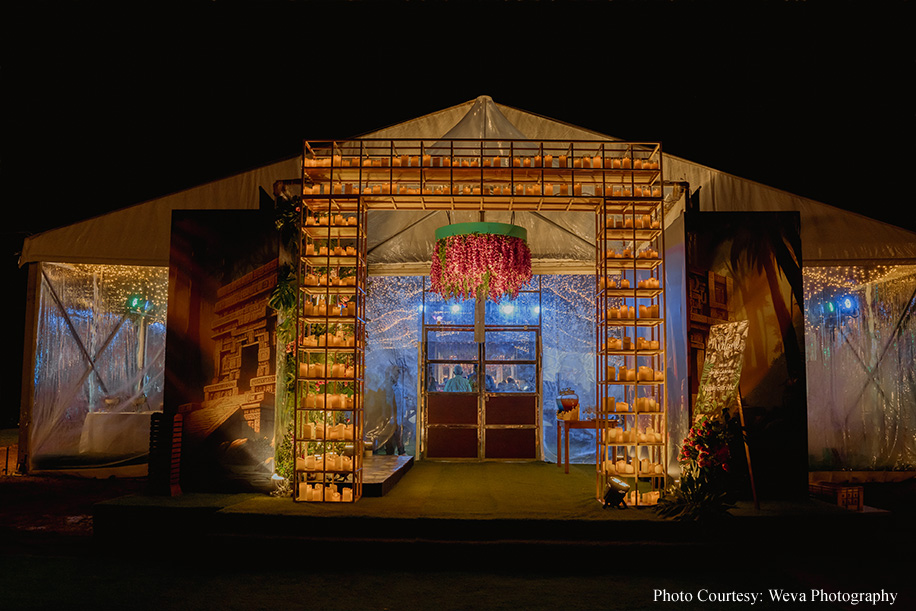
point(719, 383)
point(722, 368)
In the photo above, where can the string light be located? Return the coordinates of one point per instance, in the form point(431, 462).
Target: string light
point(114, 284)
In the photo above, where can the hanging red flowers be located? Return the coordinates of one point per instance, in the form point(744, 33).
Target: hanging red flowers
point(487, 259)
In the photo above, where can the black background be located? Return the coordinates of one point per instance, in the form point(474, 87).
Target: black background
point(110, 104)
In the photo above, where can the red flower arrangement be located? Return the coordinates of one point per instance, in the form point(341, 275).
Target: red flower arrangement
point(490, 265)
point(706, 444)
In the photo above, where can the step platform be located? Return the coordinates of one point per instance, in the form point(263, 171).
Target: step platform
point(382, 472)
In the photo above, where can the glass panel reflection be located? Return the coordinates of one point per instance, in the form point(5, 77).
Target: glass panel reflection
point(524, 310)
point(513, 377)
point(438, 311)
point(451, 346)
point(511, 346)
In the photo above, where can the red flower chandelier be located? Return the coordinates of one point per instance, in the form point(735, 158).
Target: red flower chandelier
point(482, 260)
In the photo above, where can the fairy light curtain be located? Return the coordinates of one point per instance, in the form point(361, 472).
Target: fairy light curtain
point(394, 327)
point(860, 334)
point(100, 350)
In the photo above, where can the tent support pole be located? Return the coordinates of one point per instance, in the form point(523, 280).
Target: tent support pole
point(27, 399)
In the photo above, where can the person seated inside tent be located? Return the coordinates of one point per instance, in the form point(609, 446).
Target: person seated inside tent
point(458, 383)
point(489, 382)
point(508, 385)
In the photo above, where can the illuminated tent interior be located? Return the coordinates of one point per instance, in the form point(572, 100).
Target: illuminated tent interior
point(91, 353)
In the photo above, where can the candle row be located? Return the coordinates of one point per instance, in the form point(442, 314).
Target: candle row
point(335, 340)
point(327, 432)
point(644, 221)
point(625, 343)
point(625, 311)
point(626, 253)
point(622, 467)
point(624, 283)
point(325, 280)
point(641, 374)
point(634, 497)
point(323, 251)
point(330, 461)
point(330, 493)
point(620, 436)
point(322, 309)
point(643, 405)
point(329, 401)
point(337, 220)
point(546, 189)
point(648, 283)
point(320, 370)
point(498, 161)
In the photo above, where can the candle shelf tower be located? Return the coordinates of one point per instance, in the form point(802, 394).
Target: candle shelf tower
point(632, 442)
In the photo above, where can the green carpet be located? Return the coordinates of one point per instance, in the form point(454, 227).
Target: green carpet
point(488, 490)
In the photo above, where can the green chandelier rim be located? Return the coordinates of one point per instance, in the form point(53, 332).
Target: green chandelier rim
point(513, 231)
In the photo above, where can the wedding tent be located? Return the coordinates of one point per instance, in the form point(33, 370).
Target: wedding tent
point(69, 267)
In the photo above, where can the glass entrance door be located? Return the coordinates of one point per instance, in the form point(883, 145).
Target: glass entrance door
point(481, 400)
point(510, 395)
point(451, 423)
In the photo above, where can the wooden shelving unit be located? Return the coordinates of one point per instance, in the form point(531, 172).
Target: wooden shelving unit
point(630, 341)
point(330, 352)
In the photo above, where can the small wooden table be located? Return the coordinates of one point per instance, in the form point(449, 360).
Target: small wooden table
point(563, 427)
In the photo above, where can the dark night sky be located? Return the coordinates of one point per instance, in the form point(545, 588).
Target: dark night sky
point(111, 104)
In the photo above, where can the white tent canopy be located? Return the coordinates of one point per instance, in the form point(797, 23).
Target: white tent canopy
point(402, 240)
